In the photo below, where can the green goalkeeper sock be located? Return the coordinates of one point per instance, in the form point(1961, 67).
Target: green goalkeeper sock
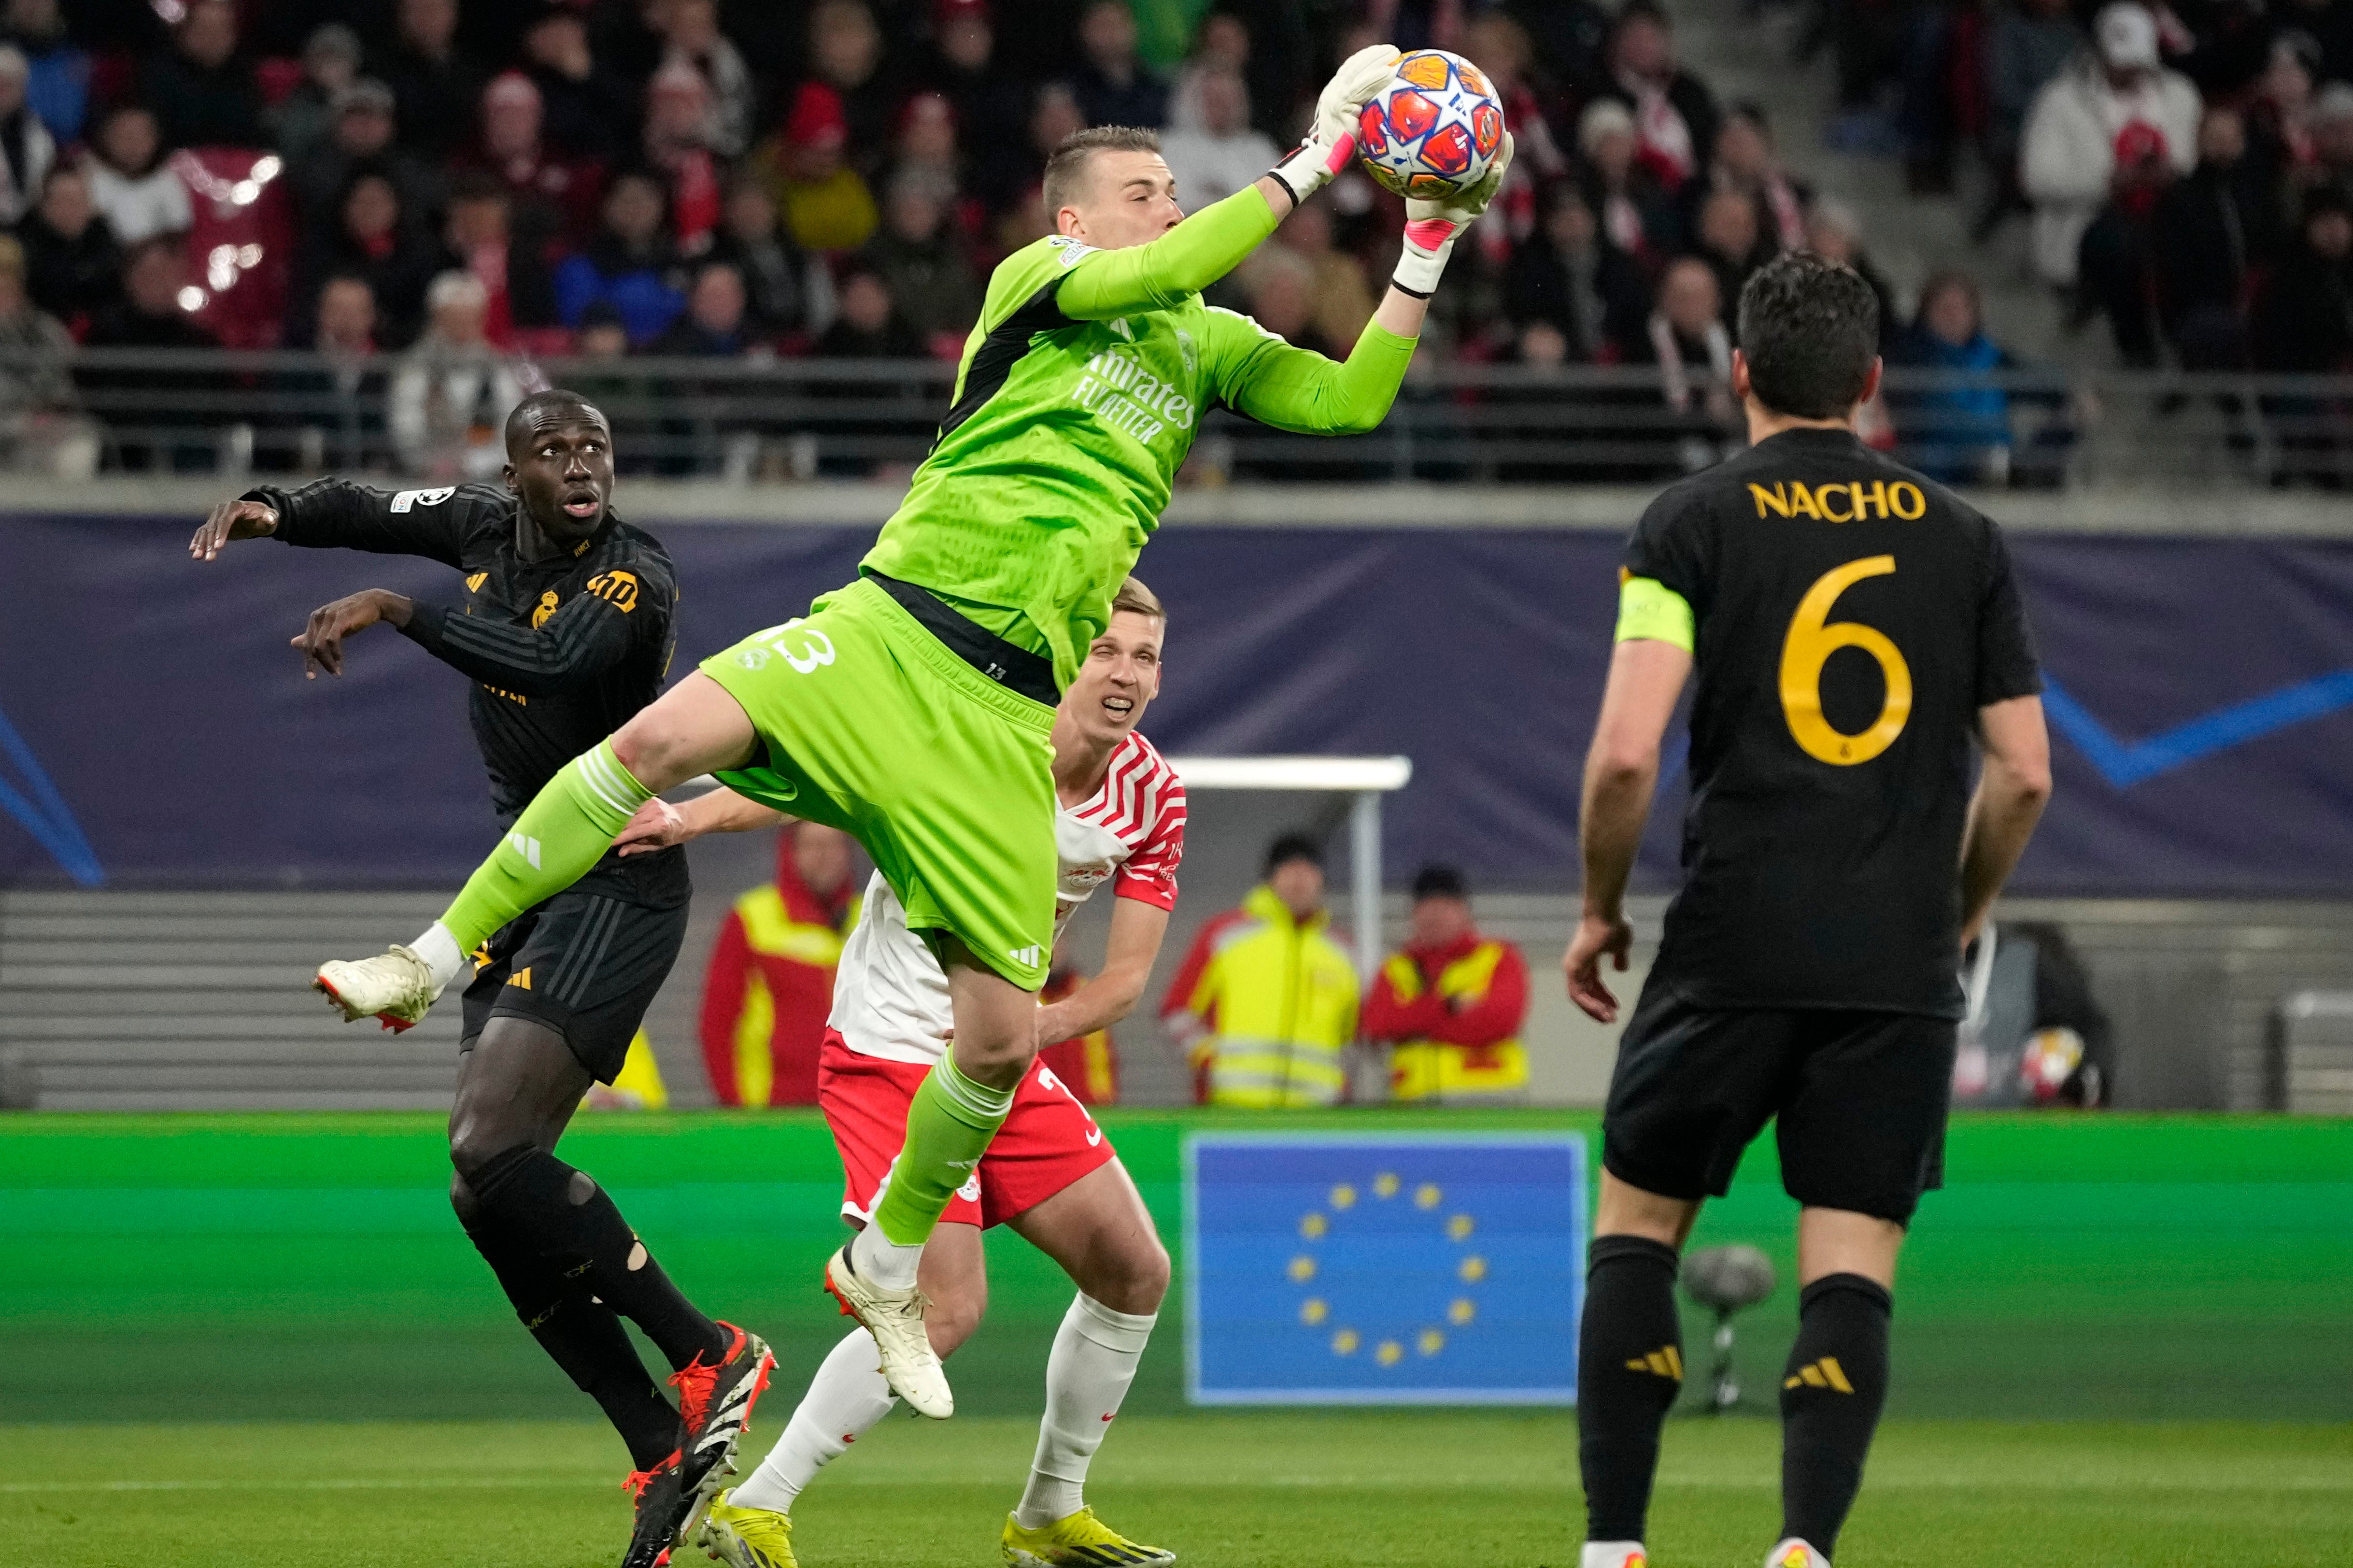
point(565, 830)
point(949, 1125)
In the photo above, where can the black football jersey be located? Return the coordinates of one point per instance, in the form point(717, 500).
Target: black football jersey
point(1852, 617)
point(561, 650)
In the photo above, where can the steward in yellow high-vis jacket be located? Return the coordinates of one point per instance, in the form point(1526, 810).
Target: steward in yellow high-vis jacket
point(770, 983)
point(1450, 1004)
point(1266, 1002)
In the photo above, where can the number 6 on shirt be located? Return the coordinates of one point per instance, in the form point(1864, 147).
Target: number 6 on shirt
point(1809, 646)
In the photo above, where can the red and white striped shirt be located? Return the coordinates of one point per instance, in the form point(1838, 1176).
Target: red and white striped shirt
point(889, 994)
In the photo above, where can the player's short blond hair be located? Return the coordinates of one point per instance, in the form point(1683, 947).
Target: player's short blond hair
point(1137, 599)
point(1066, 171)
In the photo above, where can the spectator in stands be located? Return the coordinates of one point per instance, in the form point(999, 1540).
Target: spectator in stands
point(847, 48)
point(301, 122)
point(133, 187)
point(2079, 121)
point(2331, 124)
point(361, 133)
point(338, 407)
point(437, 83)
point(919, 255)
point(1746, 162)
point(601, 335)
point(2327, 23)
point(1113, 85)
point(630, 262)
point(73, 266)
point(151, 313)
point(1221, 42)
point(1450, 1004)
point(2116, 259)
point(453, 391)
point(58, 84)
point(2030, 43)
point(2281, 154)
point(1687, 339)
point(927, 145)
point(1674, 112)
point(2304, 319)
point(1835, 232)
point(1344, 300)
point(769, 985)
point(202, 88)
point(477, 236)
point(1282, 289)
point(826, 203)
point(586, 110)
point(1635, 212)
point(789, 293)
point(27, 150)
point(554, 197)
point(375, 239)
point(2200, 235)
point(678, 120)
point(691, 36)
point(964, 70)
point(1225, 154)
point(1266, 1001)
point(1566, 276)
point(36, 390)
point(1733, 243)
point(1957, 430)
point(869, 323)
point(1497, 42)
point(713, 325)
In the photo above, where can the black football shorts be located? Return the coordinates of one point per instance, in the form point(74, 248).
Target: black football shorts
point(1861, 1096)
point(584, 964)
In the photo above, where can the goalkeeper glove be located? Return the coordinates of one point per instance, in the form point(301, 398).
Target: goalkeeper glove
point(1430, 226)
point(1326, 151)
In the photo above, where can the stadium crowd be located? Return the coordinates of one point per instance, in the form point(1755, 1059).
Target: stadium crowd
point(430, 192)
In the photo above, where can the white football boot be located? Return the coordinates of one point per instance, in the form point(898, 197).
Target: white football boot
point(1612, 1554)
point(395, 987)
point(1795, 1553)
point(895, 1319)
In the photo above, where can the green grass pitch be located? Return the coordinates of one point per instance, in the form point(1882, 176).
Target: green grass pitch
point(1251, 1490)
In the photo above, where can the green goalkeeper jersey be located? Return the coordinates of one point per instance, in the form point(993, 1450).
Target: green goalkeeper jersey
point(1077, 400)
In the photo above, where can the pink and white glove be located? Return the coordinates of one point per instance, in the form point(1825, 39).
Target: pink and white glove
point(1331, 141)
point(1432, 226)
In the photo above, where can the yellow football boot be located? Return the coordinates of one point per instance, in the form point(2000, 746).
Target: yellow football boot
point(746, 1537)
point(1078, 1541)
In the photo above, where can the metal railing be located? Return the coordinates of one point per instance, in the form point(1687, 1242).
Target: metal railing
point(775, 420)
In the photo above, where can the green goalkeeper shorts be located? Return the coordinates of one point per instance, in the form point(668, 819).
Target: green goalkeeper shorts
point(873, 726)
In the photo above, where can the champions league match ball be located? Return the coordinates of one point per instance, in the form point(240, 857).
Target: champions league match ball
point(1434, 129)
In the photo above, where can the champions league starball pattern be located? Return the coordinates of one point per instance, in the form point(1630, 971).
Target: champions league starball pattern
point(1434, 129)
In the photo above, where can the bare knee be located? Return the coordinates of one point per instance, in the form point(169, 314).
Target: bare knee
point(651, 747)
point(1132, 1279)
point(1625, 1209)
point(462, 1199)
point(692, 727)
point(474, 1142)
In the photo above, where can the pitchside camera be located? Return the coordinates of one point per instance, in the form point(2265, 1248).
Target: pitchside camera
point(1723, 1279)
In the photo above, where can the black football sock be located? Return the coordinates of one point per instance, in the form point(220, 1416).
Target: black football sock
point(1630, 1368)
point(575, 1227)
point(582, 1336)
point(1832, 1394)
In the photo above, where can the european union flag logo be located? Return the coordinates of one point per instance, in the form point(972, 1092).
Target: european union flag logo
point(1369, 1269)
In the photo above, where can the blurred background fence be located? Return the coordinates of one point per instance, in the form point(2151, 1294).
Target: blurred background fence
point(777, 420)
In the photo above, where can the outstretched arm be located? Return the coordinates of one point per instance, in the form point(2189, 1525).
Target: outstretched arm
point(660, 825)
point(1299, 389)
point(336, 513)
point(1646, 677)
point(589, 635)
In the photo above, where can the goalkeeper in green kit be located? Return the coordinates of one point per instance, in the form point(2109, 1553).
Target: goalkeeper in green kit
point(913, 708)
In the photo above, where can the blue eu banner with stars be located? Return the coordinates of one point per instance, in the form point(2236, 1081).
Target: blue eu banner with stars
point(1359, 1268)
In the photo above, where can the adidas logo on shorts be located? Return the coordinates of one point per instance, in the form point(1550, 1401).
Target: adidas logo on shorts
point(1027, 956)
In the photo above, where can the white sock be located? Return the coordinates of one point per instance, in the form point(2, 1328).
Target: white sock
point(440, 952)
point(883, 1262)
point(1093, 1361)
point(1609, 1553)
point(845, 1399)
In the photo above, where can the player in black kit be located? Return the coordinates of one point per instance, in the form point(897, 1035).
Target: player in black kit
point(1853, 627)
point(565, 628)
